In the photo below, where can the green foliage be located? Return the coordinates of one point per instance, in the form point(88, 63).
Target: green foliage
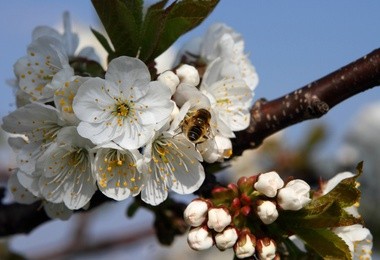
point(325, 242)
point(148, 36)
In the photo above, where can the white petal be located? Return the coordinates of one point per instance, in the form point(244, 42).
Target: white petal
point(20, 193)
point(131, 74)
point(155, 190)
point(93, 103)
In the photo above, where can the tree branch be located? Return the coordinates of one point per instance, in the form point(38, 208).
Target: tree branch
point(309, 102)
point(267, 118)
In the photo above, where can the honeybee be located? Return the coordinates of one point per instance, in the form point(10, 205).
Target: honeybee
point(196, 126)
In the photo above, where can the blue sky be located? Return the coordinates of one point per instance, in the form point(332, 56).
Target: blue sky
point(291, 43)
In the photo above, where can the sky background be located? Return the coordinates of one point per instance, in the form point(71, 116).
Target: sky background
point(291, 43)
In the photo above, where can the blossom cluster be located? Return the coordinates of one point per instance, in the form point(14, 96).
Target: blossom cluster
point(258, 199)
point(248, 217)
point(123, 133)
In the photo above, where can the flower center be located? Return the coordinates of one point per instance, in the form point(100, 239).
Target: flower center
point(122, 110)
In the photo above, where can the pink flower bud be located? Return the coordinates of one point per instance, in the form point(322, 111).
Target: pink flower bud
point(200, 238)
point(294, 196)
point(245, 246)
point(268, 183)
point(267, 212)
point(196, 212)
point(218, 219)
point(188, 74)
point(226, 239)
point(266, 248)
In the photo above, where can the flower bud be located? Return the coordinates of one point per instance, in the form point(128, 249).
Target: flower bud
point(267, 212)
point(169, 79)
point(218, 219)
point(266, 248)
point(245, 246)
point(188, 74)
point(199, 238)
point(268, 183)
point(294, 196)
point(226, 239)
point(196, 212)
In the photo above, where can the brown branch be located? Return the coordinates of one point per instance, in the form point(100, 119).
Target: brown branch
point(309, 102)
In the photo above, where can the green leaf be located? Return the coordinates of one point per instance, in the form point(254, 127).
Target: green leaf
point(332, 215)
point(162, 27)
point(122, 24)
point(325, 243)
point(103, 41)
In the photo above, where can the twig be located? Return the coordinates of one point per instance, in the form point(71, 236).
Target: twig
point(309, 102)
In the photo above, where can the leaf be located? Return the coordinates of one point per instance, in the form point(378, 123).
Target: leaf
point(122, 24)
point(162, 27)
point(325, 243)
point(103, 41)
point(333, 215)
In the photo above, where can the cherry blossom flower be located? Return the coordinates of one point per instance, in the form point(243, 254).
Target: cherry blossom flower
point(125, 107)
point(65, 170)
point(267, 212)
point(117, 172)
point(218, 219)
point(245, 246)
point(171, 162)
point(226, 239)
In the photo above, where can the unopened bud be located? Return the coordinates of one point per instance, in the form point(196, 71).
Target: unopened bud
point(266, 248)
point(226, 239)
point(200, 238)
point(169, 79)
point(245, 246)
point(268, 183)
point(188, 74)
point(218, 219)
point(294, 196)
point(196, 212)
point(267, 212)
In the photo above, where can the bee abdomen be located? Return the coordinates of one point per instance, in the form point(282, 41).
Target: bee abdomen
point(194, 133)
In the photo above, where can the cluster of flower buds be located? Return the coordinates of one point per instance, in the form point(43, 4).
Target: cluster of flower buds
point(226, 219)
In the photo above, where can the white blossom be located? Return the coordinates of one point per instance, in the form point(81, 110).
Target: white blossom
point(218, 219)
point(117, 172)
point(230, 100)
point(245, 246)
point(45, 58)
point(358, 238)
point(196, 212)
point(65, 170)
point(267, 212)
point(268, 183)
point(294, 196)
point(68, 39)
point(226, 239)
point(125, 107)
point(171, 162)
point(199, 238)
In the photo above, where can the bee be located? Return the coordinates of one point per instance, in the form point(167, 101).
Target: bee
point(196, 126)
